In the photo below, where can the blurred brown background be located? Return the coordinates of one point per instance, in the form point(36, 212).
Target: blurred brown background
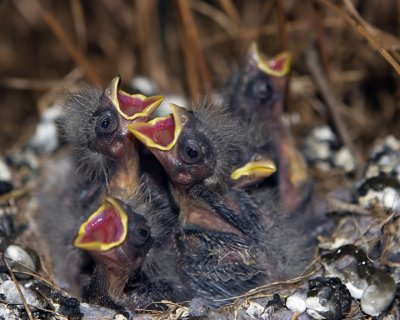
point(189, 47)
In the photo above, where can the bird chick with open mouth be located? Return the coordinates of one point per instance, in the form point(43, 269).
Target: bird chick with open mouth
point(118, 239)
point(255, 94)
point(104, 162)
point(226, 243)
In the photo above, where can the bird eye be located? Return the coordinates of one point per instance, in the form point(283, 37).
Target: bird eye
point(191, 152)
point(142, 235)
point(107, 123)
point(260, 88)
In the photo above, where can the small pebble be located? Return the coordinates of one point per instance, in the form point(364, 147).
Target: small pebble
point(297, 301)
point(20, 260)
point(379, 294)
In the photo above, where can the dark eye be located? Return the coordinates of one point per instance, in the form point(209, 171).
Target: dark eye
point(261, 89)
point(191, 152)
point(107, 123)
point(142, 235)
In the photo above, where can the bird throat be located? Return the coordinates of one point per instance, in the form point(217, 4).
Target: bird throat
point(125, 180)
point(196, 215)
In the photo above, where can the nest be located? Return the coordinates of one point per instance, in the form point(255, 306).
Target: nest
point(345, 75)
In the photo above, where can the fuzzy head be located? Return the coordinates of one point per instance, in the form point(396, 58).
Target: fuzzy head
point(95, 122)
point(197, 147)
point(258, 87)
point(115, 236)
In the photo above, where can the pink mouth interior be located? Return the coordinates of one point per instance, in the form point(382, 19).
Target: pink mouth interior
point(130, 105)
point(161, 132)
point(105, 227)
point(278, 64)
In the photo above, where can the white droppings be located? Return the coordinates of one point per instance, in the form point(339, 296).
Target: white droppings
point(313, 303)
point(391, 199)
point(164, 107)
point(356, 290)
point(323, 133)
point(344, 159)
point(45, 139)
point(314, 314)
point(255, 310)
point(145, 85)
point(388, 198)
point(297, 301)
point(10, 291)
point(5, 172)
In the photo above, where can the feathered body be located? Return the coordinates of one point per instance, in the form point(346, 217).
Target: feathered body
point(226, 242)
point(255, 94)
point(103, 158)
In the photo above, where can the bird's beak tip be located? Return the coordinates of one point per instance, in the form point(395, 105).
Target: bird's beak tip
point(278, 66)
point(131, 106)
point(259, 168)
point(159, 133)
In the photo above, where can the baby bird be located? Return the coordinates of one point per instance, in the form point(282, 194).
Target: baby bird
point(118, 239)
point(255, 94)
point(94, 124)
point(226, 242)
point(104, 162)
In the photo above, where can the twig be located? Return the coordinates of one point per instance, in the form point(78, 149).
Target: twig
point(67, 42)
point(259, 289)
point(14, 194)
point(148, 30)
point(365, 33)
point(193, 53)
point(216, 15)
point(28, 84)
point(320, 38)
point(50, 96)
point(335, 205)
point(283, 33)
point(231, 11)
point(270, 29)
point(28, 311)
point(79, 23)
point(314, 66)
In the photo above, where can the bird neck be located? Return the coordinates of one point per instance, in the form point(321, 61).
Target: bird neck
point(125, 180)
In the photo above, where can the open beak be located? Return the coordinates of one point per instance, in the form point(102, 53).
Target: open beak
point(278, 66)
point(131, 106)
point(160, 133)
point(261, 168)
point(105, 229)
